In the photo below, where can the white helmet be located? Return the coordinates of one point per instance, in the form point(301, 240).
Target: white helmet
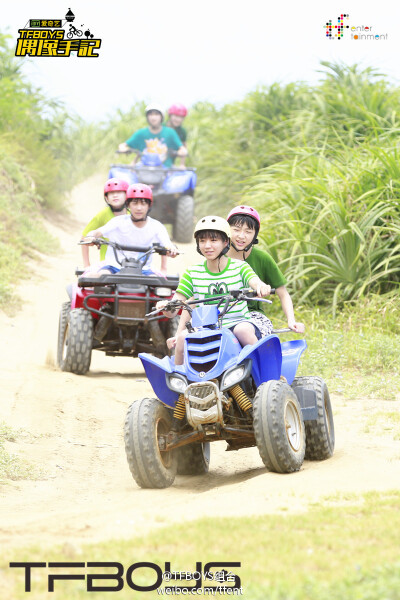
point(211, 222)
point(156, 107)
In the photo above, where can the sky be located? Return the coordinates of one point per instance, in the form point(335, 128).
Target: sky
point(187, 51)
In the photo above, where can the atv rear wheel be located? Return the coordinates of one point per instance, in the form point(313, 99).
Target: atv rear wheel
point(151, 467)
point(75, 338)
point(194, 459)
point(182, 229)
point(320, 434)
point(279, 427)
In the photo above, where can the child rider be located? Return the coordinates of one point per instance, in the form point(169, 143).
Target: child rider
point(245, 224)
point(217, 274)
point(134, 229)
point(115, 197)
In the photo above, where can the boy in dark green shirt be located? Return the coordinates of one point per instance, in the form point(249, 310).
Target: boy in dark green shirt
point(245, 224)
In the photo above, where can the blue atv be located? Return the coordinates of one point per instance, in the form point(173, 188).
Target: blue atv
point(173, 191)
point(246, 396)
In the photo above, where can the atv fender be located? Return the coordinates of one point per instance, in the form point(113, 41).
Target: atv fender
point(77, 296)
point(179, 182)
point(266, 359)
point(291, 352)
point(155, 369)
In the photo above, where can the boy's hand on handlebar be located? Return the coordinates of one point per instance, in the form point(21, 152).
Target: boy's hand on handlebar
point(297, 327)
point(161, 305)
point(263, 289)
point(89, 240)
point(122, 148)
point(171, 342)
point(173, 252)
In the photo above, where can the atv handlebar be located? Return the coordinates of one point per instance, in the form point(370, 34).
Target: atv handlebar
point(170, 152)
point(101, 241)
point(225, 299)
point(146, 250)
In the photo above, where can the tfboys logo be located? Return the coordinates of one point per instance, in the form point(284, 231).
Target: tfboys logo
point(357, 32)
point(45, 37)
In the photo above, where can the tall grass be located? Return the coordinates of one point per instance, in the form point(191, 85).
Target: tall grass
point(322, 166)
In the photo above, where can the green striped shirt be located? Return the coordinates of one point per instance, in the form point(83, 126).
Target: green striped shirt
point(198, 282)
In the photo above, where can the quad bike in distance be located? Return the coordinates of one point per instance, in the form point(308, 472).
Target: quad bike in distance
point(173, 191)
point(108, 312)
point(246, 396)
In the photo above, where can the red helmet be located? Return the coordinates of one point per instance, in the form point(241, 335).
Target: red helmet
point(245, 210)
point(115, 185)
point(139, 190)
point(177, 109)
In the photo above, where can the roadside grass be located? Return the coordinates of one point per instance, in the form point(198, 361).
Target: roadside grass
point(13, 467)
point(384, 422)
point(21, 237)
point(357, 351)
point(341, 549)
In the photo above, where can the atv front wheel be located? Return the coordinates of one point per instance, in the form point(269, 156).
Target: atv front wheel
point(182, 229)
point(320, 434)
point(62, 335)
point(279, 427)
point(194, 459)
point(150, 465)
point(75, 338)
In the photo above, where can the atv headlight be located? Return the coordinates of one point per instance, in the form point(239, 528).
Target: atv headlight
point(235, 375)
point(164, 292)
point(176, 383)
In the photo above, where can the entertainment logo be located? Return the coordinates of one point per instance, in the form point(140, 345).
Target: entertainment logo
point(45, 37)
point(336, 31)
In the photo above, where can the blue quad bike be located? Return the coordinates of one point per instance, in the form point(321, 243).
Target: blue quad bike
point(173, 191)
point(246, 396)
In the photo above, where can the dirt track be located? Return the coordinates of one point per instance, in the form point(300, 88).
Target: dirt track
point(76, 424)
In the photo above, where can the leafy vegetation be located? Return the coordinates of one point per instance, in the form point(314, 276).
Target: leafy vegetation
point(322, 166)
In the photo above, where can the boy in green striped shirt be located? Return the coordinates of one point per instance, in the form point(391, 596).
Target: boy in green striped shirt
point(217, 275)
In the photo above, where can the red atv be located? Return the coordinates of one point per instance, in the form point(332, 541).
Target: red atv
point(108, 312)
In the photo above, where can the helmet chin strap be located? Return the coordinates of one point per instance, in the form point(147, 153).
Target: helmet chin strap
point(116, 209)
point(221, 254)
point(252, 243)
point(138, 220)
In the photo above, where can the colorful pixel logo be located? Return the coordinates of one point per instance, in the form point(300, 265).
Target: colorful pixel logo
point(336, 31)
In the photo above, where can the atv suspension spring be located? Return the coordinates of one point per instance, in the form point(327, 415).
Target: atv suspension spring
point(240, 397)
point(180, 409)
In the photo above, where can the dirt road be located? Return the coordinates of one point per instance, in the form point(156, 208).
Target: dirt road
point(75, 422)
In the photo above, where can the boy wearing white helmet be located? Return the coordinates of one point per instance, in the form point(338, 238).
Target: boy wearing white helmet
point(156, 138)
point(217, 274)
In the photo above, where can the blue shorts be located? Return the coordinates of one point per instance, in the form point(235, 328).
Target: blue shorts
point(110, 268)
point(117, 270)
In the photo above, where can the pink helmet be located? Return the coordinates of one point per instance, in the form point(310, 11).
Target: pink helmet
point(115, 185)
point(177, 109)
point(248, 211)
point(139, 190)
